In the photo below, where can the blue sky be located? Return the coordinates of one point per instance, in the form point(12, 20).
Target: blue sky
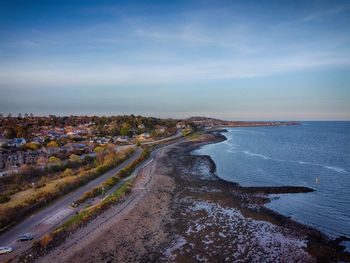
point(248, 60)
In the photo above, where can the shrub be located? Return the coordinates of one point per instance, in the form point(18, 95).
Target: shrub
point(98, 149)
point(54, 160)
point(67, 172)
point(75, 158)
point(45, 240)
point(16, 209)
point(4, 198)
point(52, 144)
point(32, 146)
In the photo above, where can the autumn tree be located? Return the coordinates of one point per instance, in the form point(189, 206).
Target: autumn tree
point(54, 160)
point(52, 144)
point(75, 158)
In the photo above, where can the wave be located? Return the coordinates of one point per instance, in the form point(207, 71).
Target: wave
point(257, 155)
point(337, 169)
point(333, 168)
point(246, 130)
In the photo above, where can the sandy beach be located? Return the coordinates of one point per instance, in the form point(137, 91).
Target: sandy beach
point(180, 211)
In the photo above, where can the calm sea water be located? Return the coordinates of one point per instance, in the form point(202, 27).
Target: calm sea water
point(313, 154)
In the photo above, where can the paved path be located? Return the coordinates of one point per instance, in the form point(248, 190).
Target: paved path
point(51, 216)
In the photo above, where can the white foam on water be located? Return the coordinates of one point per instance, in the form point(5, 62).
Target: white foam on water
point(249, 131)
point(257, 155)
point(333, 168)
point(337, 169)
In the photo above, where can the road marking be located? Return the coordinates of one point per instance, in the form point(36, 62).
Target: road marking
point(58, 216)
point(143, 166)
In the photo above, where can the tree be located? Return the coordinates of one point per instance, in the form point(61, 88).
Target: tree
point(52, 144)
point(54, 160)
point(124, 131)
point(75, 158)
point(67, 172)
point(42, 161)
point(21, 131)
point(32, 146)
point(25, 170)
point(100, 156)
point(98, 149)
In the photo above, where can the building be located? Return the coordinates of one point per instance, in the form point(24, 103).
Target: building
point(16, 142)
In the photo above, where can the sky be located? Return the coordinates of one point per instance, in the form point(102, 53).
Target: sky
point(235, 60)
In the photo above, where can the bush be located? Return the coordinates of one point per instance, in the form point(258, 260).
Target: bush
point(16, 209)
point(32, 146)
point(67, 172)
point(54, 160)
point(45, 240)
point(110, 182)
point(52, 144)
point(4, 198)
point(98, 149)
point(75, 158)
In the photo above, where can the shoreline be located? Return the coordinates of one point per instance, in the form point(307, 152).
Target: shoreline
point(315, 237)
point(180, 211)
point(251, 189)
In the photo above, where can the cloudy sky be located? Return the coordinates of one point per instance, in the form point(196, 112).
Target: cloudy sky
point(228, 59)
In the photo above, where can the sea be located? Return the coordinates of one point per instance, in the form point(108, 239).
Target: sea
point(311, 154)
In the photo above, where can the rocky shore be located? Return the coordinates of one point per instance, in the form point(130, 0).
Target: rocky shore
point(180, 211)
point(221, 221)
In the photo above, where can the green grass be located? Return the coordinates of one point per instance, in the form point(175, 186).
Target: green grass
point(112, 181)
point(193, 136)
point(31, 199)
point(91, 212)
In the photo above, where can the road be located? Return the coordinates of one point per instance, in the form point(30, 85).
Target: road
point(83, 237)
point(51, 216)
point(176, 136)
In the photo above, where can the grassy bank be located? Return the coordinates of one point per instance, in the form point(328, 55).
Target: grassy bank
point(110, 182)
point(27, 201)
point(82, 218)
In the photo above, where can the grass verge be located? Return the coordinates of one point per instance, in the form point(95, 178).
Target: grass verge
point(112, 181)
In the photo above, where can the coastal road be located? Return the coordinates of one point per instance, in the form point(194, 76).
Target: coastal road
point(51, 216)
point(110, 217)
point(177, 135)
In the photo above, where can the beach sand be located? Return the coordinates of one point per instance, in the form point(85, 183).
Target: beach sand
point(179, 211)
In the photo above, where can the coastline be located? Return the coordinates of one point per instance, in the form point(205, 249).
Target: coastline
point(319, 245)
point(180, 211)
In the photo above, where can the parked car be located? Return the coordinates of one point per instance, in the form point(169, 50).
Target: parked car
point(25, 237)
point(5, 250)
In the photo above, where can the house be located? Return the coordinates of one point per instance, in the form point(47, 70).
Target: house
point(141, 126)
point(13, 170)
point(144, 136)
point(181, 125)
point(80, 146)
point(39, 140)
point(3, 141)
point(102, 140)
point(16, 142)
point(121, 139)
point(160, 129)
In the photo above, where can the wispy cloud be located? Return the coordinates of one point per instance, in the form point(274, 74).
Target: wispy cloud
point(66, 75)
point(325, 13)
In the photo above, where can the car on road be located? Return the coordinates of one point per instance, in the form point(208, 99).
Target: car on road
point(25, 237)
point(5, 250)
